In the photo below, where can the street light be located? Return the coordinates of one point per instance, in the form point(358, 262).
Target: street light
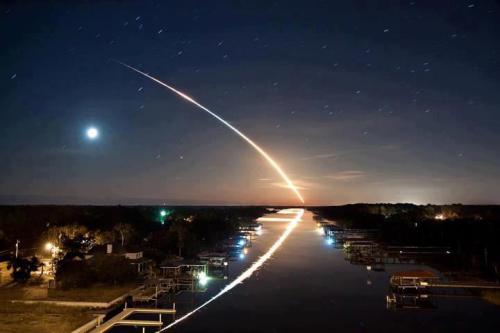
point(17, 247)
point(49, 246)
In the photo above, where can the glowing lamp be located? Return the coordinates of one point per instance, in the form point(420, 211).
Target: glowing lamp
point(202, 278)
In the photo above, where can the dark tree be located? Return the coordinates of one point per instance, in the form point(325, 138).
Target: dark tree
point(22, 268)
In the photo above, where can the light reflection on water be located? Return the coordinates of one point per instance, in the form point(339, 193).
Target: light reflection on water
point(309, 285)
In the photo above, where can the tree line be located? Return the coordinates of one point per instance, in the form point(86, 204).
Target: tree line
point(76, 230)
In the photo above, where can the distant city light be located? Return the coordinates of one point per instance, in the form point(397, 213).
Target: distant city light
point(92, 133)
point(439, 217)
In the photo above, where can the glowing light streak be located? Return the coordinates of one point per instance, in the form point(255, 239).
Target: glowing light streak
point(273, 219)
point(248, 273)
point(234, 129)
point(288, 211)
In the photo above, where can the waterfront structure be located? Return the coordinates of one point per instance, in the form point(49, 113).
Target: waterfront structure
point(417, 279)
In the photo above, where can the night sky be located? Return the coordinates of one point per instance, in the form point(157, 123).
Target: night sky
point(359, 101)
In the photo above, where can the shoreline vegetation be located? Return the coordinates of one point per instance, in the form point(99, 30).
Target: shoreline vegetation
point(470, 232)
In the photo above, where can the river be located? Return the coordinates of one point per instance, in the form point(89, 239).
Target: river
point(308, 285)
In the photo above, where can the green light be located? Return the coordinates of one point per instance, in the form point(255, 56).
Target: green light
point(163, 213)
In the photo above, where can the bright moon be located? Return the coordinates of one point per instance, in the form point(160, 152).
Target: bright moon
point(92, 133)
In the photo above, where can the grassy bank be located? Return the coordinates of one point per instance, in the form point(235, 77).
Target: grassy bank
point(91, 294)
point(97, 293)
point(46, 318)
point(40, 318)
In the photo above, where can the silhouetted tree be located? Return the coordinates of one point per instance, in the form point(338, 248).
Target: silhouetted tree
point(74, 274)
point(125, 231)
point(102, 237)
point(112, 269)
point(54, 233)
point(180, 229)
point(22, 268)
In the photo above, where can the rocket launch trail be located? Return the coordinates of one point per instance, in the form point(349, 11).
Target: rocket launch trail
point(261, 151)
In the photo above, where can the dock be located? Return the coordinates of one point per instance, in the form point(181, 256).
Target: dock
point(465, 285)
point(121, 319)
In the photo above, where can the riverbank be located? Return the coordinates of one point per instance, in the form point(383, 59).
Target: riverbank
point(18, 314)
point(40, 318)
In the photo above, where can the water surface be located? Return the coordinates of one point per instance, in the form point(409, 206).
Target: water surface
point(308, 285)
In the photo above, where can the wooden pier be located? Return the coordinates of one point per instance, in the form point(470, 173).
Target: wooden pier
point(465, 285)
point(121, 319)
